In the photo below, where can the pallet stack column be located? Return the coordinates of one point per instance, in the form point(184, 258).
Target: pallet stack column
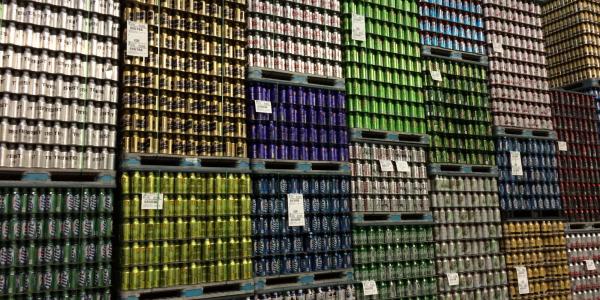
point(58, 118)
point(185, 188)
point(298, 146)
point(391, 218)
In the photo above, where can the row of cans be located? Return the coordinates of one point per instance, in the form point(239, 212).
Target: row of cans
point(365, 151)
point(390, 203)
point(302, 151)
point(38, 254)
point(464, 184)
point(325, 293)
point(280, 265)
point(55, 201)
point(166, 253)
point(55, 279)
point(453, 249)
point(176, 144)
point(185, 104)
point(470, 264)
point(186, 206)
point(185, 183)
point(323, 185)
point(407, 288)
point(367, 235)
point(180, 229)
point(460, 232)
point(278, 226)
point(50, 228)
point(314, 204)
point(137, 278)
point(386, 122)
point(298, 244)
point(390, 253)
point(395, 271)
point(467, 215)
point(464, 200)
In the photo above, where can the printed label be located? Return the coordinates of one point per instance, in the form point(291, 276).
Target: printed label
point(263, 106)
point(295, 209)
point(137, 39)
point(516, 166)
point(152, 201)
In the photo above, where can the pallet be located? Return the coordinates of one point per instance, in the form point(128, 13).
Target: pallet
point(303, 280)
point(459, 56)
point(177, 163)
point(462, 170)
point(582, 227)
point(224, 290)
point(388, 137)
point(292, 78)
point(583, 85)
point(58, 178)
point(532, 215)
point(275, 166)
point(522, 133)
point(391, 218)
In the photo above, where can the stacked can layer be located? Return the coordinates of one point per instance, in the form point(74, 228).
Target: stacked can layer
point(59, 84)
point(572, 31)
point(305, 123)
point(187, 97)
point(200, 233)
point(467, 236)
point(295, 36)
point(383, 72)
point(458, 115)
point(518, 77)
point(540, 247)
point(323, 243)
point(579, 166)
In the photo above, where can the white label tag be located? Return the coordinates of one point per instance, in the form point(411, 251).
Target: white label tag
point(386, 166)
point(516, 166)
point(562, 146)
point(452, 279)
point(152, 201)
point(263, 106)
point(295, 209)
point(497, 47)
point(590, 265)
point(369, 288)
point(108, 73)
point(436, 75)
point(137, 39)
point(191, 160)
point(522, 280)
point(402, 166)
point(358, 28)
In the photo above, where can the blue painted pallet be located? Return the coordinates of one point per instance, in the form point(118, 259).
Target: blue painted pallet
point(292, 78)
point(303, 280)
point(522, 133)
point(222, 290)
point(177, 163)
point(438, 52)
point(388, 137)
point(276, 166)
point(462, 170)
point(68, 178)
point(391, 218)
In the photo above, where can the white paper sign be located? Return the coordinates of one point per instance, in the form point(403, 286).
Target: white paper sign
point(137, 39)
point(562, 146)
point(295, 209)
point(497, 47)
point(402, 166)
point(369, 288)
point(452, 279)
point(263, 106)
point(191, 160)
point(152, 201)
point(436, 75)
point(590, 265)
point(358, 28)
point(516, 165)
point(522, 280)
point(386, 165)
